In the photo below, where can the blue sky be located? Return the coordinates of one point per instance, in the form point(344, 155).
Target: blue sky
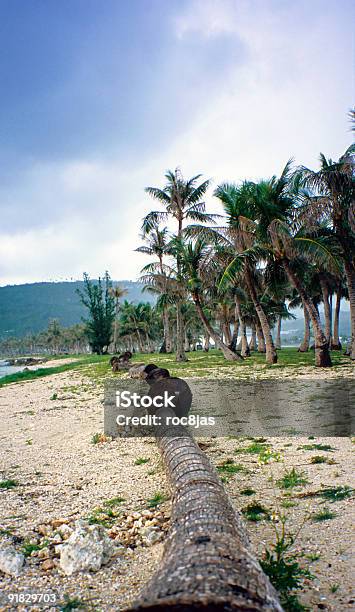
point(99, 98)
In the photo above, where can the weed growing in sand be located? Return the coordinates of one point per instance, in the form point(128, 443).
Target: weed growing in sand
point(323, 515)
point(28, 548)
point(54, 396)
point(247, 492)
point(312, 556)
point(227, 468)
point(291, 479)
point(320, 447)
point(157, 499)
point(99, 438)
point(334, 588)
point(141, 461)
point(318, 459)
point(287, 503)
point(29, 442)
point(73, 603)
point(334, 494)
point(115, 501)
point(254, 448)
point(283, 568)
point(256, 512)
point(8, 484)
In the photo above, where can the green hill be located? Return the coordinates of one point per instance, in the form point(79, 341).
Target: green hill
point(26, 309)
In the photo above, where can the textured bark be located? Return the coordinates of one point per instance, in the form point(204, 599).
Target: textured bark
point(336, 344)
point(327, 309)
point(228, 354)
point(278, 333)
point(261, 339)
point(208, 563)
point(180, 335)
point(167, 332)
point(234, 342)
point(245, 352)
point(252, 343)
point(304, 346)
point(350, 279)
point(322, 354)
point(271, 355)
point(206, 342)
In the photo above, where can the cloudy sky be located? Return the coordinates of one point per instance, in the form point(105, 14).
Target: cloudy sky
point(100, 97)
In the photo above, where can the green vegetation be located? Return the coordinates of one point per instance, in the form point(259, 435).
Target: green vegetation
point(283, 568)
point(157, 499)
point(141, 461)
point(291, 479)
point(247, 492)
point(334, 494)
point(319, 447)
point(28, 548)
point(71, 603)
point(115, 501)
point(8, 484)
point(323, 515)
point(99, 438)
point(229, 467)
point(256, 512)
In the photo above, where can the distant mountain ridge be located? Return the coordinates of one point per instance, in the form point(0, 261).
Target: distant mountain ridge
point(27, 309)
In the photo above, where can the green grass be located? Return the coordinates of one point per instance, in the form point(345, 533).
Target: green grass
point(28, 548)
point(248, 492)
point(79, 361)
point(319, 447)
point(323, 515)
point(334, 494)
point(71, 603)
point(255, 448)
point(256, 512)
point(115, 501)
point(157, 499)
point(8, 484)
point(291, 479)
point(141, 461)
point(229, 467)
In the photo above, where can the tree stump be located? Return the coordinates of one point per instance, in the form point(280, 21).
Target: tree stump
point(208, 563)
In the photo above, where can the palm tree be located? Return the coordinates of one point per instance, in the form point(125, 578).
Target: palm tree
point(117, 293)
point(241, 234)
point(193, 259)
point(182, 201)
point(157, 281)
point(333, 199)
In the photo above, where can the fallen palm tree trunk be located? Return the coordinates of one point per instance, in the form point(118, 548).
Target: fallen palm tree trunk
point(207, 563)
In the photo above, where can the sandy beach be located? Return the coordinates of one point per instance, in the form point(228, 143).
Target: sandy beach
point(61, 476)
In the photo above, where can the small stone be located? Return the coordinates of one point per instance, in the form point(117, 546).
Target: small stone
point(58, 549)
point(87, 549)
point(65, 531)
point(44, 530)
point(11, 561)
point(43, 553)
point(58, 522)
point(57, 539)
point(47, 565)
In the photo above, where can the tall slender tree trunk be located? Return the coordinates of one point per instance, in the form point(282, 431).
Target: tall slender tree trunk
point(206, 342)
point(304, 346)
point(327, 309)
point(186, 343)
point(243, 332)
point(115, 327)
point(167, 332)
point(261, 339)
point(228, 354)
point(350, 279)
point(322, 354)
point(234, 340)
point(271, 355)
point(252, 343)
point(180, 334)
point(278, 333)
point(336, 344)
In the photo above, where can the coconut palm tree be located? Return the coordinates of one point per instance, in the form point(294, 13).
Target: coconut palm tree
point(333, 199)
point(157, 280)
point(182, 200)
point(194, 259)
point(241, 234)
point(117, 293)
